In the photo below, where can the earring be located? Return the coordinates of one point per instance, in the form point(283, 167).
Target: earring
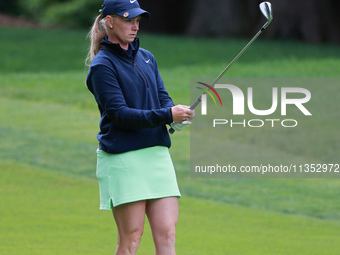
point(110, 26)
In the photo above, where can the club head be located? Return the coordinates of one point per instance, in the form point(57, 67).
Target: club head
point(266, 9)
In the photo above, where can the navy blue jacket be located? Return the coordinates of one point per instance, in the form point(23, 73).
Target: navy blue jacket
point(133, 102)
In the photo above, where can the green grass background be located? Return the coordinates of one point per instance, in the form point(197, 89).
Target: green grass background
point(48, 125)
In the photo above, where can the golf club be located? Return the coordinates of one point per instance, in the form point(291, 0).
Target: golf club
point(266, 9)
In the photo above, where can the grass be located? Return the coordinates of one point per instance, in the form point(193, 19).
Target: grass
point(50, 213)
point(49, 121)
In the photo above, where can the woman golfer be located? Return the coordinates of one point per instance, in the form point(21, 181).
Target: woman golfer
point(134, 169)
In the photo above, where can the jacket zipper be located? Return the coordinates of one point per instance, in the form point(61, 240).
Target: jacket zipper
point(134, 63)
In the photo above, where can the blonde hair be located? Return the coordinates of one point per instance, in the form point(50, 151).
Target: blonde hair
point(98, 31)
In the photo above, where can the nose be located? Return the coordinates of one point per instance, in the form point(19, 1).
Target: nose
point(135, 25)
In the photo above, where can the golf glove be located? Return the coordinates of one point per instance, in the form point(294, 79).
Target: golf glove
point(179, 126)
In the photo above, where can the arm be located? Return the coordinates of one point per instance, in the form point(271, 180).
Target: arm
point(163, 95)
point(179, 113)
point(111, 99)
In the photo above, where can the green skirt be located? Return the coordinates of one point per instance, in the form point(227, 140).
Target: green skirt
point(135, 175)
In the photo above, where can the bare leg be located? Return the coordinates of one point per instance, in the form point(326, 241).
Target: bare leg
point(163, 215)
point(130, 220)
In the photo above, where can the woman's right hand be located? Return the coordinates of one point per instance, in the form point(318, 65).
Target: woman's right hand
point(181, 113)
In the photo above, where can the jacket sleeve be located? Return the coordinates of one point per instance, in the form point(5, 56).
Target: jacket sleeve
point(164, 97)
point(110, 98)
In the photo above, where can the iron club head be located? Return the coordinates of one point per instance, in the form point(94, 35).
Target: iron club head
point(266, 9)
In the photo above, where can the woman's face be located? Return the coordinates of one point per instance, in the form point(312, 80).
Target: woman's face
point(123, 30)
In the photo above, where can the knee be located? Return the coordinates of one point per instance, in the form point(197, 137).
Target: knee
point(171, 237)
point(134, 240)
point(167, 236)
point(131, 241)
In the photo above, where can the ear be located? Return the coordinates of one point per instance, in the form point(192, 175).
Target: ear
point(109, 21)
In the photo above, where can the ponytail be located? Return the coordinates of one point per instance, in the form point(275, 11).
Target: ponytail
point(96, 34)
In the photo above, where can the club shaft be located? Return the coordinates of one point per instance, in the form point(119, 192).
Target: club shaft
point(198, 100)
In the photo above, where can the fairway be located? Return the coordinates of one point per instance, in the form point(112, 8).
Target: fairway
point(47, 213)
point(48, 126)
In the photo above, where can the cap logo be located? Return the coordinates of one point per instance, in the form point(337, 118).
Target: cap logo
point(126, 14)
point(132, 1)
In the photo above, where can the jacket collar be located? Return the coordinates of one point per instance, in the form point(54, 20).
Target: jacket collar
point(115, 48)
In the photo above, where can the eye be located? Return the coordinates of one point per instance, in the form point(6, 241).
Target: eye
point(138, 20)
